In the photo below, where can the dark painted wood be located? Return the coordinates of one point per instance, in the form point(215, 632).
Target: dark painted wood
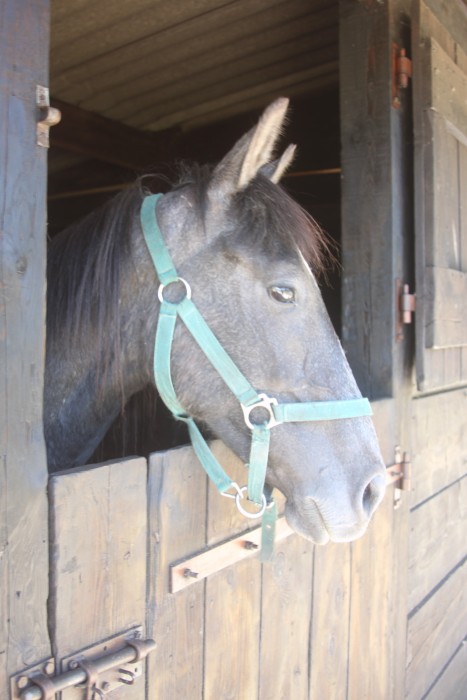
point(23, 478)
point(98, 137)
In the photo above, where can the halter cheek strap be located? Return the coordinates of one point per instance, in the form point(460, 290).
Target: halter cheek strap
point(247, 396)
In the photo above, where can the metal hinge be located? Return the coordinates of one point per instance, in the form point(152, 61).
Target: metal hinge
point(48, 116)
point(406, 305)
point(98, 670)
point(401, 74)
point(399, 474)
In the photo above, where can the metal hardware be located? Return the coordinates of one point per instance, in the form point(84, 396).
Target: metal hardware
point(21, 681)
point(222, 555)
point(399, 474)
point(160, 291)
point(406, 305)
point(49, 116)
point(266, 403)
point(401, 74)
point(188, 573)
point(247, 513)
point(403, 70)
point(99, 670)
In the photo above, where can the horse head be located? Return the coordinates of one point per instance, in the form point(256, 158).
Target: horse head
point(250, 255)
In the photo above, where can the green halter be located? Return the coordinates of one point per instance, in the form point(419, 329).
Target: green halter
point(247, 396)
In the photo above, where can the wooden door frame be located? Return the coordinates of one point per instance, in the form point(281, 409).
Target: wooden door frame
point(24, 48)
point(377, 250)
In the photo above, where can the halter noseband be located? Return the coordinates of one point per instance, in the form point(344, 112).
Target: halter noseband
point(247, 396)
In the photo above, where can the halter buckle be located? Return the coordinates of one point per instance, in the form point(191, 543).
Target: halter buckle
point(265, 402)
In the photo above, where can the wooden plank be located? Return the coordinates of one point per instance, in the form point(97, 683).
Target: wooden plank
point(286, 44)
point(233, 605)
point(330, 622)
point(452, 16)
point(290, 84)
point(378, 587)
point(435, 632)
point(453, 681)
point(84, 38)
point(448, 89)
point(98, 575)
point(287, 594)
point(24, 637)
point(97, 137)
point(177, 525)
point(446, 317)
point(439, 442)
point(437, 539)
point(378, 606)
point(233, 602)
point(194, 569)
point(367, 159)
point(176, 41)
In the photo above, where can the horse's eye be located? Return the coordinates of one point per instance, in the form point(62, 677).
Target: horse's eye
point(286, 295)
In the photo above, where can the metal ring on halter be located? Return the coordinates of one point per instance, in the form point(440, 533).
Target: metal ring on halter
point(238, 491)
point(265, 402)
point(163, 286)
point(246, 513)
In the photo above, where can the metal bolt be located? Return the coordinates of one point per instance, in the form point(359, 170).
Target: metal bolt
point(105, 685)
point(22, 682)
point(73, 664)
point(49, 668)
point(188, 573)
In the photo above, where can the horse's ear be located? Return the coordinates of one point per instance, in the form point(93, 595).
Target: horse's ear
point(251, 153)
point(274, 171)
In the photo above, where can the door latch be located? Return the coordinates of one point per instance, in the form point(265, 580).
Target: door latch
point(111, 664)
point(48, 116)
point(399, 474)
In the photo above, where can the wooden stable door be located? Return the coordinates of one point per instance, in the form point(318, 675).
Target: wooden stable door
point(163, 552)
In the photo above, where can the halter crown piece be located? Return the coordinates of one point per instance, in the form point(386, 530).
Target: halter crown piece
point(248, 397)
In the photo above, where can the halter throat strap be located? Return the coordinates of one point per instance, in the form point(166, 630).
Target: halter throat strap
point(238, 384)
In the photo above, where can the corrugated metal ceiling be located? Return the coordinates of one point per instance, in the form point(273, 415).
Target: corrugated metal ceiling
point(154, 65)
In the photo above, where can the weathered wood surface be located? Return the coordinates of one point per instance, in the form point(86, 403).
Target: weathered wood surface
point(278, 630)
point(438, 541)
point(23, 475)
point(98, 567)
point(177, 488)
point(440, 163)
point(378, 597)
point(434, 632)
point(453, 679)
point(438, 425)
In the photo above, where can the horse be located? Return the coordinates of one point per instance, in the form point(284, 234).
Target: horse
point(251, 256)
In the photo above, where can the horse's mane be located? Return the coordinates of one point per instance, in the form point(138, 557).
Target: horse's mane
point(84, 260)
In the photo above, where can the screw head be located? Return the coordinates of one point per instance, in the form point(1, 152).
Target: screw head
point(49, 668)
point(22, 682)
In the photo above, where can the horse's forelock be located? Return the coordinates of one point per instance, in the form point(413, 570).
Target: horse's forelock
point(271, 219)
point(265, 217)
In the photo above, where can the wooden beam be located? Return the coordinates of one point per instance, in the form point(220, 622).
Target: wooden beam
point(98, 137)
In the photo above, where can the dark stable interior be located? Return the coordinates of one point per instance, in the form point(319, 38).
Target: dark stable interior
point(314, 180)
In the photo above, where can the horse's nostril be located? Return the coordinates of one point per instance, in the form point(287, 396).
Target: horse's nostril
point(373, 494)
